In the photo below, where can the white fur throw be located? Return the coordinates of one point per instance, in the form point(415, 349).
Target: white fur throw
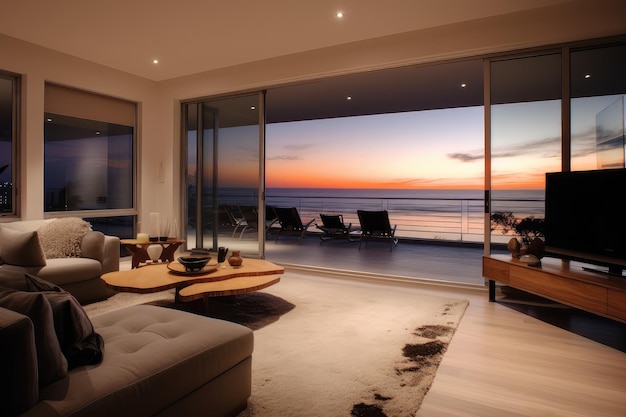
point(61, 238)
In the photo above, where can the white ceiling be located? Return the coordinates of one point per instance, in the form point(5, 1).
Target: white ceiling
point(192, 36)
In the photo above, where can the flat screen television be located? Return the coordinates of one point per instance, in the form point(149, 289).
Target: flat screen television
point(585, 218)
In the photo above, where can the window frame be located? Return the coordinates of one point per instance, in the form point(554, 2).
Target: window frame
point(15, 143)
point(99, 213)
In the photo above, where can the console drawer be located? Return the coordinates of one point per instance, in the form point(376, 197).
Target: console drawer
point(575, 293)
point(496, 270)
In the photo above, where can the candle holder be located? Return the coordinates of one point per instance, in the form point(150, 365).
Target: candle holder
point(155, 228)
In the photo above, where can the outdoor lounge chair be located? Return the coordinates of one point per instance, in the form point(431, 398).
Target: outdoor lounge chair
point(270, 220)
point(290, 222)
point(375, 226)
point(235, 219)
point(250, 219)
point(334, 227)
point(250, 216)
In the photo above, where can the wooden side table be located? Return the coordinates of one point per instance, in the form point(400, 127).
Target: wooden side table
point(139, 251)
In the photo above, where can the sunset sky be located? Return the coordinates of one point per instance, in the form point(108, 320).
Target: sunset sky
point(441, 149)
point(428, 149)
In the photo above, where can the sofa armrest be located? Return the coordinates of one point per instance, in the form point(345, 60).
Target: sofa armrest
point(103, 248)
point(111, 259)
point(19, 386)
point(92, 246)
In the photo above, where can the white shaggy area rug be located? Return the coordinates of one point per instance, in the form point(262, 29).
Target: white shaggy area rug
point(333, 347)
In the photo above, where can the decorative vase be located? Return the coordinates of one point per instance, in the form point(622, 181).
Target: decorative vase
point(164, 230)
point(235, 259)
point(154, 252)
point(514, 247)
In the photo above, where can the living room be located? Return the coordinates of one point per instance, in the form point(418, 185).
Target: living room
point(480, 337)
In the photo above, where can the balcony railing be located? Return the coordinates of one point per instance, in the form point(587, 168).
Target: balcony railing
point(446, 219)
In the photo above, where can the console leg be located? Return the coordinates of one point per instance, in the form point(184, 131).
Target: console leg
point(492, 290)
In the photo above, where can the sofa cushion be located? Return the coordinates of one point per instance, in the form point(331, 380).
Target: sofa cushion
point(61, 238)
point(51, 364)
point(63, 271)
point(164, 352)
point(80, 344)
point(18, 361)
point(21, 248)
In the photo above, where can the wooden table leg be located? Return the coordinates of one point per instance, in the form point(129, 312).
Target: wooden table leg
point(139, 255)
point(167, 255)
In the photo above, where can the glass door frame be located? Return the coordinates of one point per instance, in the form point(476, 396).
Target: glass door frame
point(201, 130)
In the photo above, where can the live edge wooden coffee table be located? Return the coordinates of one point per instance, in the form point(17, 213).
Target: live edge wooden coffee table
point(212, 281)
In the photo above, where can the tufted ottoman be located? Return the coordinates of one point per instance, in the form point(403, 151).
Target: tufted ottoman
point(158, 362)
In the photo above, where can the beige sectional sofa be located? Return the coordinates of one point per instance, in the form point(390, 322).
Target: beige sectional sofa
point(74, 256)
point(138, 361)
point(156, 362)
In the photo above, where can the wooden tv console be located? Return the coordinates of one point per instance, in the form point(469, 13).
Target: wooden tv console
point(596, 293)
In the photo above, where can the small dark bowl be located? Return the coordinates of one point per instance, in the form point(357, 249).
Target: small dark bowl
point(194, 263)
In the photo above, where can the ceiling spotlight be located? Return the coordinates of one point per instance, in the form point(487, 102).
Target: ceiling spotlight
point(463, 85)
point(349, 98)
point(155, 61)
point(587, 75)
point(339, 15)
point(48, 120)
point(252, 107)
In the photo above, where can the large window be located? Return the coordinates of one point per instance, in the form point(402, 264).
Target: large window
point(89, 162)
point(526, 122)
point(525, 134)
point(8, 133)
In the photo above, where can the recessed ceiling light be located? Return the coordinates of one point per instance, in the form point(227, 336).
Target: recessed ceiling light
point(463, 85)
point(349, 98)
point(587, 75)
point(155, 61)
point(252, 107)
point(48, 119)
point(339, 15)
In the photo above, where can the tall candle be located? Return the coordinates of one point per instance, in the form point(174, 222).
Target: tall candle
point(154, 225)
point(143, 238)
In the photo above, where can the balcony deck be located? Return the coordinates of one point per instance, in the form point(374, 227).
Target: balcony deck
point(409, 260)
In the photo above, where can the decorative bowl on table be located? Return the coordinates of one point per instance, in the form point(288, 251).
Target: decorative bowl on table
point(194, 263)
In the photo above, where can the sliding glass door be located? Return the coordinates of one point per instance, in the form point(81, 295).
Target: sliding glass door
point(224, 174)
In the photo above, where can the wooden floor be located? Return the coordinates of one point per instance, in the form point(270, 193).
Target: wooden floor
point(501, 362)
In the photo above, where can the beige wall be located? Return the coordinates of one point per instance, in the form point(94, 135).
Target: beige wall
point(159, 103)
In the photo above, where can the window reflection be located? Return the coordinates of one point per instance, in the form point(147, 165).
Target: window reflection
point(598, 86)
point(222, 161)
point(88, 164)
